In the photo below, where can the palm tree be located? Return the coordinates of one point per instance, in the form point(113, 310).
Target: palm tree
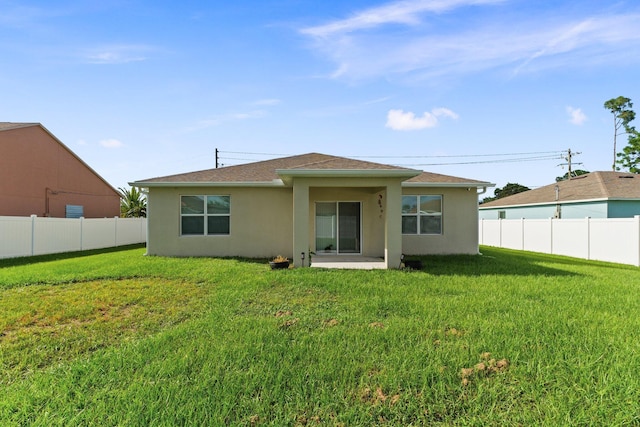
point(133, 203)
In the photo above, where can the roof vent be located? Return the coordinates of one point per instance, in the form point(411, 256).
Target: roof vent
point(627, 176)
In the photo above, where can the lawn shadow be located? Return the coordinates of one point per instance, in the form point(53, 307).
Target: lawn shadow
point(27, 260)
point(498, 262)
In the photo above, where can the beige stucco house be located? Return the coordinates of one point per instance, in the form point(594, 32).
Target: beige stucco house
point(312, 202)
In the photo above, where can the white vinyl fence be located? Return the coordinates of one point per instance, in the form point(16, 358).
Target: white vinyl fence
point(27, 236)
point(601, 239)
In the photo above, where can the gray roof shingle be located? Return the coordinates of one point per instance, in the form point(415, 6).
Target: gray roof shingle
point(267, 171)
point(592, 186)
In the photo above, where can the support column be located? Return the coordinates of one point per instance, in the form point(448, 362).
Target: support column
point(393, 226)
point(300, 221)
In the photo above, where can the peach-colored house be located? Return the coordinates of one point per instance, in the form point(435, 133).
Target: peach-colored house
point(40, 176)
point(331, 206)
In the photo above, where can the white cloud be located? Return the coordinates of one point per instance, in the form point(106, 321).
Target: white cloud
point(117, 54)
point(421, 49)
point(399, 120)
point(111, 143)
point(267, 102)
point(399, 12)
point(576, 116)
point(224, 118)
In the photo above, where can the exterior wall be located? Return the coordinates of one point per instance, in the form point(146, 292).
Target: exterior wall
point(533, 212)
point(262, 220)
point(624, 208)
point(38, 173)
point(567, 210)
point(260, 223)
point(459, 224)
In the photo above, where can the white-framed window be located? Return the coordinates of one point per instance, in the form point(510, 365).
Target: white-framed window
point(204, 215)
point(422, 214)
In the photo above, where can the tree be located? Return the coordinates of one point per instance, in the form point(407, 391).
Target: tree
point(576, 172)
point(508, 190)
point(133, 204)
point(630, 156)
point(620, 107)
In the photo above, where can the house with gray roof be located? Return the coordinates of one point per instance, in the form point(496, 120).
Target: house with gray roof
point(607, 194)
point(312, 203)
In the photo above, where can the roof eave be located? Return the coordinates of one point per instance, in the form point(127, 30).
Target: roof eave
point(449, 184)
point(166, 184)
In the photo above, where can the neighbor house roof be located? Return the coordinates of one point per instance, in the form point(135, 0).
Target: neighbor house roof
point(275, 171)
point(10, 125)
point(591, 186)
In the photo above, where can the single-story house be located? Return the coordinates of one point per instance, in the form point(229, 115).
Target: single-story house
point(39, 175)
point(606, 194)
point(313, 202)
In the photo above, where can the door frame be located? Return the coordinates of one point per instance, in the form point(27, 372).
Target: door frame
point(322, 252)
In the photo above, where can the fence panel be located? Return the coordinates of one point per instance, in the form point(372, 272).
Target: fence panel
point(512, 233)
point(15, 236)
point(26, 236)
point(614, 240)
point(131, 230)
point(571, 238)
point(602, 239)
point(537, 235)
point(53, 235)
point(98, 233)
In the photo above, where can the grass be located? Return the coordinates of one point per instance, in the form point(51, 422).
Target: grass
point(507, 338)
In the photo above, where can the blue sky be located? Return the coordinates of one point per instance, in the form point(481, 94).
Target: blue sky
point(140, 89)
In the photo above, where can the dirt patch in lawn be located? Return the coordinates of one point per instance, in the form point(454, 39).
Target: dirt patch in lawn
point(43, 325)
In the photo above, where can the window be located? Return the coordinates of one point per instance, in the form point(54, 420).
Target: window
point(204, 215)
point(421, 214)
point(502, 214)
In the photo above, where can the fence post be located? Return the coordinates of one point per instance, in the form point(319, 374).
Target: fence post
point(81, 232)
point(588, 220)
point(33, 233)
point(115, 234)
point(637, 238)
point(500, 232)
point(551, 235)
point(522, 234)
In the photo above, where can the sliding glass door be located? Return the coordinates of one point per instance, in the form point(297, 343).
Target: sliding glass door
point(338, 228)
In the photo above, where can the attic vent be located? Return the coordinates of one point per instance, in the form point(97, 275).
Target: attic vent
point(626, 177)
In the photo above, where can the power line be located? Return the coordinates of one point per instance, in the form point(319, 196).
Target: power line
point(534, 156)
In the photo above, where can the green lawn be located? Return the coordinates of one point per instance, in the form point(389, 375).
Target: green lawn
point(506, 338)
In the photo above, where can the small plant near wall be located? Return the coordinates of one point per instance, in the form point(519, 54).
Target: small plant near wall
point(279, 262)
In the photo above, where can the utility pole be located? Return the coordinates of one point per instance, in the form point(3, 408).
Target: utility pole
point(216, 158)
point(568, 158)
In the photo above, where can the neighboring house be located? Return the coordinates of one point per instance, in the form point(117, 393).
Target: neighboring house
point(40, 176)
point(595, 195)
point(312, 202)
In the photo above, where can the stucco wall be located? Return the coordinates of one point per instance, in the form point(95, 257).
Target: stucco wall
point(459, 224)
point(260, 223)
point(32, 161)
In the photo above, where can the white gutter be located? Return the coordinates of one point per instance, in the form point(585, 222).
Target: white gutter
point(143, 184)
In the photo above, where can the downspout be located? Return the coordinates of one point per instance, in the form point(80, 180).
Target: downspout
point(484, 190)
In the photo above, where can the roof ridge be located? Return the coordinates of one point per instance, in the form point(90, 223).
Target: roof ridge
point(603, 187)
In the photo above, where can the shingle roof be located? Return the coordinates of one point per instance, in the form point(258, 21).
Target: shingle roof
point(267, 171)
point(592, 186)
point(10, 125)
